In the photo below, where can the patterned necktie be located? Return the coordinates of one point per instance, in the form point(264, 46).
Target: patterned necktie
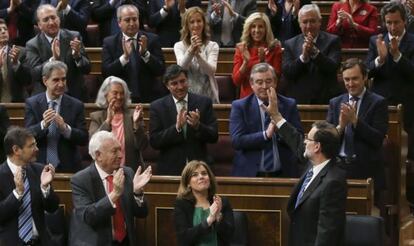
point(349, 133)
point(271, 160)
point(308, 178)
point(25, 222)
point(53, 140)
point(118, 221)
point(183, 106)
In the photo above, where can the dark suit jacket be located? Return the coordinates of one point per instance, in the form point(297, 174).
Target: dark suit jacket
point(39, 52)
point(141, 75)
point(78, 17)
point(168, 28)
point(72, 111)
point(395, 81)
point(243, 7)
point(175, 150)
point(25, 19)
point(319, 218)
point(247, 136)
point(369, 135)
point(135, 141)
point(314, 82)
point(188, 234)
point(4, 124)
point(9, 205)
point(91, 219)
point(17, 79)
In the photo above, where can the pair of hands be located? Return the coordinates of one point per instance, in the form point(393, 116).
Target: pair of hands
point(216, 6)
point(127, 46)
point(75, 45)
point(139, 181)
point(348, 115)
point(168, 4)
point(46, 178)
point(196, 43)
point(51, 115)
point(308, 47)
point(192, 119)
point(345, 16)
point(294, 5)
point(383, 50)
point(13, 55)
point(215, 210)
point(137, 117)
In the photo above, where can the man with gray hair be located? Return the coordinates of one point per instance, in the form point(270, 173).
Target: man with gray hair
point(259, 149)
point(107, 197)
point(57, 120)
point(55, 43)
point(134, 56)
point(311, 60)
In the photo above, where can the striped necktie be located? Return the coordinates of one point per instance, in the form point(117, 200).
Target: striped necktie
point(53, 140)
point(25, 222)
point(308, 178)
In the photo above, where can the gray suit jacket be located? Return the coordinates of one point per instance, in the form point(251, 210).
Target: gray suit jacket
point(39, 52)
point(91, 219)
point(135, 141)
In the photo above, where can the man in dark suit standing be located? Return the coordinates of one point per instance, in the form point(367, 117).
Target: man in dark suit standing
point(181, 124)
point(390, 61)
point(361, 117)
point(25, 192)
point(4, 125)
point(14, 74)
point(259, 149)
point(107, 197)
point(135, 56)
point(317, 204)
point(227, 18)
point(55, 43)
point(311, 61)
point(57, 121)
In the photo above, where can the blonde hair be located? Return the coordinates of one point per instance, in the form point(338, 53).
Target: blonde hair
point(246, 39)
point(185, 30)
point(184, 191)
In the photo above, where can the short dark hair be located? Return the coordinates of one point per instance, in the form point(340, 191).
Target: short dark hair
point(327, 135)
point(352, 62)
point(172, 72)
point(18, 136)
point(393, 7)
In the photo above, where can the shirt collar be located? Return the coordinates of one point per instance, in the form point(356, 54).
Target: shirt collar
point(13, 167)
point(102, 174)
point(399, 39)
point(50, 38)
point(57, 100)
point(176, 100)
point(360, 96)
point(126, 37)
point(317, 168)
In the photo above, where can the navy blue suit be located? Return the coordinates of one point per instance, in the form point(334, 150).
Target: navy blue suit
point(369, 135)
point(72, 111)
point(145, 86)
point(248, 140)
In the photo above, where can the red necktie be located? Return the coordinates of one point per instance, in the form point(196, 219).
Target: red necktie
point(118, 218)
point(12, 26)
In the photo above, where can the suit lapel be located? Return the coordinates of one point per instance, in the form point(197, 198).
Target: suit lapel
point(64, 45)
point(65, 107)
point(253, 114)
point(45, 47)
point(365, 103)
point(172, 110)
point(42, 102)
point(97, 185)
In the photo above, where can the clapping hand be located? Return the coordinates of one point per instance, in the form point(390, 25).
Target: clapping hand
point(141, 179)
point(47, 176)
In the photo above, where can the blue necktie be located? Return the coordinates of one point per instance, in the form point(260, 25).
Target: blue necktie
point(53, 140)
point(271, 152)
point(349, 134)
point(308, 178)
point(25, 222)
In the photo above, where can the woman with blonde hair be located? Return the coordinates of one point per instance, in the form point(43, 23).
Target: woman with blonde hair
point(197, 54)
point(126, 125)
point(201, 216)
point(257, 45)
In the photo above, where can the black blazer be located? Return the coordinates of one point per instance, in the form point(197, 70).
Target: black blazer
point(91, 219)
point(187, 234)
point(319, 218)
point(4, 124)
point(72, 111)
point(9, 205)
point(314, 82)
point(175, 150)
point(141, 77)
point(369, 135)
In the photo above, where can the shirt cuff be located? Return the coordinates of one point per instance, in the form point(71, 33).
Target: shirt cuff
point(45, 192)
point(68, 130)
point(42, 125)
point(377, 63)
point(264, 135)
point(280, 123)
point(18, 197)
point(146, 56)
point(124, 60)
point(139, 199)
point(66, 10)
point(302, 59)
point(398, 58)
point(163, 13)
point(112, 204)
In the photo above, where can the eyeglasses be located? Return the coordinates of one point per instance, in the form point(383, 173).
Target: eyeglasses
point(309, 139)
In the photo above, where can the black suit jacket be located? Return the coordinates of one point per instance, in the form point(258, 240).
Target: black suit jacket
point(141, 77)
point(395, 81)
point(369, 135)
point(175, 150)
point(9, 205)
point(72, 111)
point(188, 234)
point(4, 124)
point(91, 220)
point(319, 218)
point(39, 52)
point(314, 82)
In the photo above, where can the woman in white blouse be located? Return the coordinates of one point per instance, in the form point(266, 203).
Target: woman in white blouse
point(197, 54)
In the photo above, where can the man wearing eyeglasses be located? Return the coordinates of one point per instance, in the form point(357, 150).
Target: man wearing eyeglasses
point(317, 204)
